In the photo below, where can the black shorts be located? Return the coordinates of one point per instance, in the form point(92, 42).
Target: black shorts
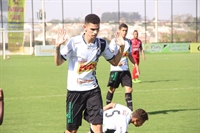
point(117, 77)
point(89, 102)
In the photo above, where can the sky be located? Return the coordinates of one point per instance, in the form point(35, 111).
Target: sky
point(80, 8)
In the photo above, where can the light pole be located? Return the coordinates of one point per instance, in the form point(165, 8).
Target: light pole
point(156, 20)
point(43, 24)
point(91, 6)
point(118, 11)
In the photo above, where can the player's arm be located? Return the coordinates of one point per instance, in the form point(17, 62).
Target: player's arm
point(57, 57)
point(134, 63)
point(109, 106)
point(118, 56)
point(143, 55)
point(114, 49)
point(142, 51)
point(131, 59)
point(61, 39)
point(120, 42)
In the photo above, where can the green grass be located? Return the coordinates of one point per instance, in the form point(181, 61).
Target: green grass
point(35, 93)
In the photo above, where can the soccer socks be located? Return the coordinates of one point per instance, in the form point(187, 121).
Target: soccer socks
point(109, 97)
point(128, 98)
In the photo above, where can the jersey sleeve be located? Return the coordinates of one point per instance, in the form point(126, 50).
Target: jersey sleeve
point(113, 47)
point(66, 51)
point(130, 48)
point(107, 54)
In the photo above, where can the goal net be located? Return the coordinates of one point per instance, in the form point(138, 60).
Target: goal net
point(16, 42)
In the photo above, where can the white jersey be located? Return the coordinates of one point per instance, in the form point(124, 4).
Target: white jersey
point(117, 118)
point(127, 50)
point(83, 60)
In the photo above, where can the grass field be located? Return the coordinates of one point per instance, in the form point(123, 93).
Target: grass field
point(35, 93)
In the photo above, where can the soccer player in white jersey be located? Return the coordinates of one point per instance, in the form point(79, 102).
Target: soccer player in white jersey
point(84, 94)
point(120, 74)
point(117, 118)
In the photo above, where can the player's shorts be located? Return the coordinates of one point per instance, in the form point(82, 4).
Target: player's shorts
point(117, 77)
point(136, 59)
point(89, 102)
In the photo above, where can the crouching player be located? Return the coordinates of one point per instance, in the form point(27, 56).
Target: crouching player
point(117, 117)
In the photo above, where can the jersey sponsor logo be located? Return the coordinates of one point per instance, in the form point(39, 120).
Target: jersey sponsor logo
point(135, 49)
point(81, 81)
point(77, 43)
point(124, 112)
point(81, 60)
point(87, 67)
point(136, 44)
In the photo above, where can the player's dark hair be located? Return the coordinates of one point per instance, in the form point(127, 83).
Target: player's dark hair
point(135, 31)
point(92, 18)
point(140, 114)
point(123, 25)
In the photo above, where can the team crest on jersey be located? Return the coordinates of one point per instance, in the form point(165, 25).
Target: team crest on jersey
point(81, 60)
point(87, 67)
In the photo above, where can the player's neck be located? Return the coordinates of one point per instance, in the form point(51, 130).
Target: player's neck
point(88, 40)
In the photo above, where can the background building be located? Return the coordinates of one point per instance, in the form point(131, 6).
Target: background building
point(156, 20)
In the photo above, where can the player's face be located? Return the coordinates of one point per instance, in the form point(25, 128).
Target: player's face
point(91, 30)
point(123, 31)
point(135, 34)
point(138, 123)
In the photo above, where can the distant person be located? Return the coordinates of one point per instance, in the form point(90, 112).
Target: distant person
point(136, 49)
point(1, 106)
point(84, 94)
point(121, 74)
point(117, 118)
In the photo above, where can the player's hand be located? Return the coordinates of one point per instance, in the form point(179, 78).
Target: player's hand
point(144, 57)
point(120, 63)
point(138, 70)
point(61, 37)
point(119, 39)
point(138, 73)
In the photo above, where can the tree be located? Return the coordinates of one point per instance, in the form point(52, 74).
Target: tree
point(127, 16)
point(55, 21)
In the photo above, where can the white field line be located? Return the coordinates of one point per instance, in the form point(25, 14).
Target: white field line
point(119, 90)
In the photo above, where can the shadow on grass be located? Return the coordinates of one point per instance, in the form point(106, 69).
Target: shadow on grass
point(159, 81)
point(171, 110)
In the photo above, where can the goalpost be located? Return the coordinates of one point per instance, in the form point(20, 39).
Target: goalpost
point(24, 50)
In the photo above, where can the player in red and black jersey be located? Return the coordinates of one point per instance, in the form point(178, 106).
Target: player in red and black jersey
point(136, 49)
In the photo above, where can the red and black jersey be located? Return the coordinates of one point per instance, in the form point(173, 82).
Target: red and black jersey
point(136, 46)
